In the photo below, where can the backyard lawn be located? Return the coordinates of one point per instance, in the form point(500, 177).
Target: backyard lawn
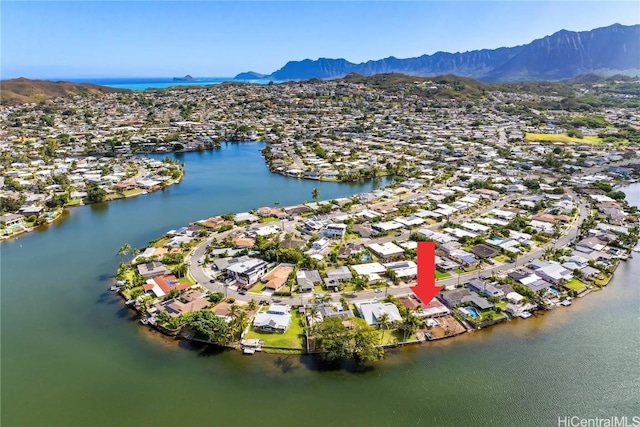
point(292, 338)
point(74, 202)
point(159, 243)
point(129, 193)
point(501, 305)
point(603, 281)
point(575, 285)
point(490, 315)
point(393, 336)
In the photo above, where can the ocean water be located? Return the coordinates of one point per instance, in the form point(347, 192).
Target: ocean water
point(142, 83)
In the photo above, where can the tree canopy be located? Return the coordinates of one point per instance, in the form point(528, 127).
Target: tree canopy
point(336, 342)
point(215, 329)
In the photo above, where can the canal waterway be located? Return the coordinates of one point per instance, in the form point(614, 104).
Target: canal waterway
point(72, 355)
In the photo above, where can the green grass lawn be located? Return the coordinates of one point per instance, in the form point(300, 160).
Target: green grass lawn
point(501, 258)
point(393, 336)
point(490, 315)
point(501, 305)
point(133, 192)
point(348, 287)
point(269, 219)
point(442, 275)
point(603, 281)
point(127, 292)
point(258, 288)
point(187, 279)
point(74, 202)
point(292, 338)
point(561, 138)
point(161, 242)
point(575, 285)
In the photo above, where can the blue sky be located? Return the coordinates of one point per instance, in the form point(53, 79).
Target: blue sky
point(212, 38)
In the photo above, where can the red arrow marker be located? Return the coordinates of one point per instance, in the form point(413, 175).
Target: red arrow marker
point(426, 289)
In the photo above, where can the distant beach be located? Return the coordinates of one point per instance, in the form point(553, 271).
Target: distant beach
point(142, 83)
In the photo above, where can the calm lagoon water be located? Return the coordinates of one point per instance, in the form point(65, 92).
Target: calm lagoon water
point(72, 355)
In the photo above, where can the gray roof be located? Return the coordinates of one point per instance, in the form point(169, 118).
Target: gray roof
point(339, 273)
point(478, 301)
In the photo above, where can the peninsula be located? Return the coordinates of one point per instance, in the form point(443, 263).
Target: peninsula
point(333, 277)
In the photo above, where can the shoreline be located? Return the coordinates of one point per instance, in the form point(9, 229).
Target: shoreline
point(61, 211)
point(467, 326)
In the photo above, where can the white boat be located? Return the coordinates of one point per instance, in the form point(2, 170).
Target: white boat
point(248, 350)
point(524, 315)
point(114, 288)
point(566, 303)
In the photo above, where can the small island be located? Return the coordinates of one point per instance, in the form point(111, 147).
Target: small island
point(186, 78)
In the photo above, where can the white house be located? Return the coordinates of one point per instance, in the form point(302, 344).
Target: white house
point(276, 319)
point(335, 230)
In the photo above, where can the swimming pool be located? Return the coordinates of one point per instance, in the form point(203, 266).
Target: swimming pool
point(471, 311)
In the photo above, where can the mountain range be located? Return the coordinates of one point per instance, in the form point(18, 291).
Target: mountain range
point(562, 55)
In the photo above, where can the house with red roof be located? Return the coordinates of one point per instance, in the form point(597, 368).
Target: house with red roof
point(162, 285)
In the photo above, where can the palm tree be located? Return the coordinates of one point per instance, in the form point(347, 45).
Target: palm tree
point(235, 311)
point(239, 323)
point(312, 312)
point(123, 251)
point(315, 193)
point(344, 302)
point(180, 270)
point(383, 322)
point(252, 305)
point(320, 299)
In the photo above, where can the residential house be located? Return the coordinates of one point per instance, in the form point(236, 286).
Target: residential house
point(371, 271)
point(11, 220)
point(307, 279)
point(590, 244)
point(277, 318)
point(484, 251)
point(334, 231)
point(335, 276)
point(277, 277)
point(553, 272)
point(372, 311)
point(162, 285)
point(484, 288)
point(403, 269)
point(248, 272)
point(386, 251)
point(153, 269)
point(194, 301)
